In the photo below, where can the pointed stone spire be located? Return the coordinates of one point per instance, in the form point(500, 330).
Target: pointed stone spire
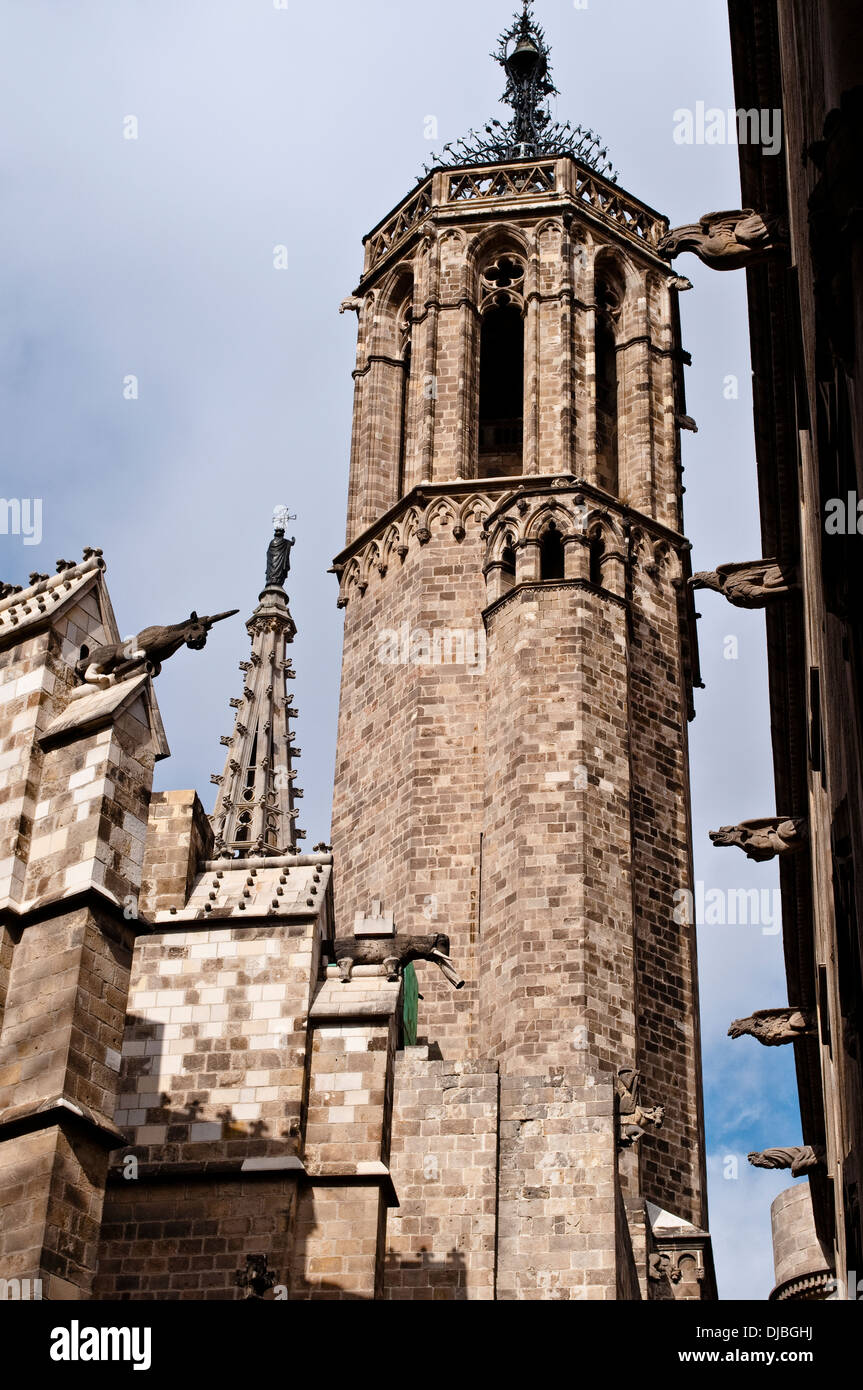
point(255, 813)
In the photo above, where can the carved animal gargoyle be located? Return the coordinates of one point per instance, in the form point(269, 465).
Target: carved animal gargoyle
point(633, 1115)
point(800, 1161)
point(773, 1027)
point(394, 953)
point(750, 583)
point(764, 839)
point(104, 666)
point(727, 240)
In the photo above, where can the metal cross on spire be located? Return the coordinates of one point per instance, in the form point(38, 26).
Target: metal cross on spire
point(523, 53)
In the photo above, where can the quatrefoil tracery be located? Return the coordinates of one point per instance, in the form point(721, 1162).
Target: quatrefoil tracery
point(502, 282)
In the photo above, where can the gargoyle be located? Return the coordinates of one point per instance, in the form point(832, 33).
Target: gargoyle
point(763, 839)
point(773, 1027)
point(727, 240)
point(800, 1161)
point(104, 666)
point(750, 584)
point(394, 953)
point(633, 1115)
point(350, 305)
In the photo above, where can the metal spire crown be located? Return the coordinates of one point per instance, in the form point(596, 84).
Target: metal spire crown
point(523, 53)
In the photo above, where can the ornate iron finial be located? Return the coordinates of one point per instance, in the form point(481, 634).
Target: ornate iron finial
point(523, 53)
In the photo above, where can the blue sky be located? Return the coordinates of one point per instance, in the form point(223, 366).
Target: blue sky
point(300, 126)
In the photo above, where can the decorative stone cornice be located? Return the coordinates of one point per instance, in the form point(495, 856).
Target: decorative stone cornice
point(629, 534)
point(818, 1287)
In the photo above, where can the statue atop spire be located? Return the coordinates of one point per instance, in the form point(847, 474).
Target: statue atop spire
point(255, 815)
point(523, 53)
point(279, 552)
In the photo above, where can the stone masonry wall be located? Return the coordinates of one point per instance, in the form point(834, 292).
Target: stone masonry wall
point(214, 1050)
point(557, 935)
point(441, 1238)
point(407, 821)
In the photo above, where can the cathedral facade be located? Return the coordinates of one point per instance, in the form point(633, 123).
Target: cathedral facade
point(455, 1055)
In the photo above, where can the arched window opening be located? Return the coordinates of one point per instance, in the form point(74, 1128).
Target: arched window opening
point(249, 788)
point(403, 418)
point(551, 555)
point(605, 354)
point(507, 566)
point(597, 550)
point(501, 392)
point(405, 342)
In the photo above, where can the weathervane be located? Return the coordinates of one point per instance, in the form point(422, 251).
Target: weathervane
point(523, 53)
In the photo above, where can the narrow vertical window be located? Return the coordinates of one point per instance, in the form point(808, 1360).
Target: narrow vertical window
point(551, 558)
point(597, 550)
point(403, 419)
point(605, 357)
point(501, 371)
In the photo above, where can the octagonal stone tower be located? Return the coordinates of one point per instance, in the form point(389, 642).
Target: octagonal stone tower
point(518, 666)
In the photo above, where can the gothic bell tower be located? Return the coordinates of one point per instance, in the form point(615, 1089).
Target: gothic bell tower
point(519, 658)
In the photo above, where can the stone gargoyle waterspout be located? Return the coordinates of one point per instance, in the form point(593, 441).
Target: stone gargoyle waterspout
point(394, 953)
point(117, 661)
point(764, 838)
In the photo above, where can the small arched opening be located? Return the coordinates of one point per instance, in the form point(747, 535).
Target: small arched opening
point(597, 551)
point(551, 553)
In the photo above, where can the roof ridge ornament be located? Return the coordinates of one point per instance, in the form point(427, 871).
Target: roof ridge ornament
point(523, 53)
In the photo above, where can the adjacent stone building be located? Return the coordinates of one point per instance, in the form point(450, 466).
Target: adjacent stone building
point(798, 64)
point(457, 1055)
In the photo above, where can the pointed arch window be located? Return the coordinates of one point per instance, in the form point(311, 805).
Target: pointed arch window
point(597, 551)
point(551, 553)
point(405, 332)
point(608, 303)
point(501, 369)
